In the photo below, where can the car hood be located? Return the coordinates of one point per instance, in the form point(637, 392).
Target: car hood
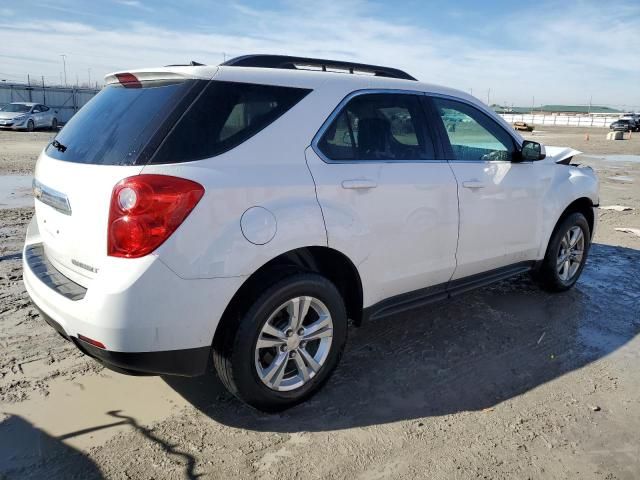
point(559, 154)
point(10, 115)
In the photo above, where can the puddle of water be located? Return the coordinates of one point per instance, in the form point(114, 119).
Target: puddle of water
point(15, 191)
point(78, 412)
point(621, 178)
point(616, 158)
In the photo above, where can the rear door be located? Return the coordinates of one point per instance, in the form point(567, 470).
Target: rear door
point(109, 139)
point(500, 198)
point(387, 202)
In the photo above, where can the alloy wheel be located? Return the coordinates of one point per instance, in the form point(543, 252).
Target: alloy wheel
point(570, 254)
point(293, 343)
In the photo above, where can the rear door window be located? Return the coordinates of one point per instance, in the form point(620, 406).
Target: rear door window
point(224, 116)
point(382, 127)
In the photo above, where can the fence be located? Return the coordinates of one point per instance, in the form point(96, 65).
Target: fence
point(66, 101)
point(561, 120)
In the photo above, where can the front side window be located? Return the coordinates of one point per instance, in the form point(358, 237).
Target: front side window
point(379, 127)
point(472, 134)
point(224, 116)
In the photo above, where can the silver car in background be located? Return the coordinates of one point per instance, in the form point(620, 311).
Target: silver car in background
point(27, 116)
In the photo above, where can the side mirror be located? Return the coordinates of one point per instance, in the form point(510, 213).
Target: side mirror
point(532, 151)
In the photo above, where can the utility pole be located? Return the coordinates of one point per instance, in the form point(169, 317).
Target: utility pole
point(533, 104)
point(64, 65)
point(89, 82)
point(590, 100)
point(44, 94)
point(488, 96)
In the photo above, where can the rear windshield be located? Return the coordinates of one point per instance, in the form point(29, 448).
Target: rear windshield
point(169, 122)
point(116, 125)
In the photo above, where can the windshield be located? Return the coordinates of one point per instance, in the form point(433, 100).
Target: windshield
point(16, 107)
point(116, 126)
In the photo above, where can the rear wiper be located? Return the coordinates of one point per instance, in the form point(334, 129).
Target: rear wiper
point(58, 146)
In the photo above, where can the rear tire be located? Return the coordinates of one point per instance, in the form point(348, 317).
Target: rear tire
point(566, 254)
point(271, 360)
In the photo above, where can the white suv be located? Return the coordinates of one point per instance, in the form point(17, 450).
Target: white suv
point(242, 213)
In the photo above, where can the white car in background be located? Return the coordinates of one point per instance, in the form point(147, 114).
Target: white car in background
point(27, 116)
point(244, 212)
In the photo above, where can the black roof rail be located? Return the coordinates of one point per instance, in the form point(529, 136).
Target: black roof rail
point(287, 62)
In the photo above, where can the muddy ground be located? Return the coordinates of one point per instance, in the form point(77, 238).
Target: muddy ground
point(504, 382)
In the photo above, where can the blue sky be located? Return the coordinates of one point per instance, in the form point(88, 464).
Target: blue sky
point(555, 51)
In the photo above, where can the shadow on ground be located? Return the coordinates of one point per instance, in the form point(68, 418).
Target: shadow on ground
point(470, 353)
point(28, 452)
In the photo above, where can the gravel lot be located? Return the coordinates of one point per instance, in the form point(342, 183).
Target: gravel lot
point(504, 382)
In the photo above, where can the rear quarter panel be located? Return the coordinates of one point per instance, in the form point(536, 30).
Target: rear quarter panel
point(268, 171)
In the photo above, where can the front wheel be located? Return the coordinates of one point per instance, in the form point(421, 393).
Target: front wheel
point(566, 254)
point(30, 126)
point(285, 347)
point(54, 124)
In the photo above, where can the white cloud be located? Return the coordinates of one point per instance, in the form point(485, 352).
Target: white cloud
point(559, 57)
point(131, 3)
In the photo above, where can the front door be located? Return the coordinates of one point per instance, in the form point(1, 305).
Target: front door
point(387, 202)
point(500, 197)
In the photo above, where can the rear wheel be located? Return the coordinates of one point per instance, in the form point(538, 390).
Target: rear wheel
point(566, 254)
point(30, 126)
point(285, 347)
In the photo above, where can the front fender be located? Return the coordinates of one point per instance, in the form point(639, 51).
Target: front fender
point(569, 183)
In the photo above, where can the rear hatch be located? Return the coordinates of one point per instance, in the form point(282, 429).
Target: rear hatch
point(110, 138)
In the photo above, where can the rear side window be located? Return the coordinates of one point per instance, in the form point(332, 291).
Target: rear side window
point(225, 115)
point(379, 127)
point(116, 125)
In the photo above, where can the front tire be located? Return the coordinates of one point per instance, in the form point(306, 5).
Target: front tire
point(30, 126)
point(54, 124)
point(566, 254)
point(286, 345)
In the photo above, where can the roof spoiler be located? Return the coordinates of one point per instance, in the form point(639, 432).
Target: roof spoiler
point(303, 63)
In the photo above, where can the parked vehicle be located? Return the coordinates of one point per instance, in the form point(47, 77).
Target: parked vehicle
point(27, 116)
point(523, 126)
point(625, 125)
point(244, 212)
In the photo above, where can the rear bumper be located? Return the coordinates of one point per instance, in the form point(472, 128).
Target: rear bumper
point(188, 362)
point(149, 319)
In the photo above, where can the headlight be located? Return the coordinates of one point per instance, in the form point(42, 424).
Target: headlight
point(21, 117)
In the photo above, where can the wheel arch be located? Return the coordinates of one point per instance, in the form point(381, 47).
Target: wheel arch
point(330, 263)
point(582, 205)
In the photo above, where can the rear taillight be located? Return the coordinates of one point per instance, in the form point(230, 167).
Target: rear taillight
point(145, 210)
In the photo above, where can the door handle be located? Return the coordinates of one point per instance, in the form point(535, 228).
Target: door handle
point(473, 184)
point(362, 184)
